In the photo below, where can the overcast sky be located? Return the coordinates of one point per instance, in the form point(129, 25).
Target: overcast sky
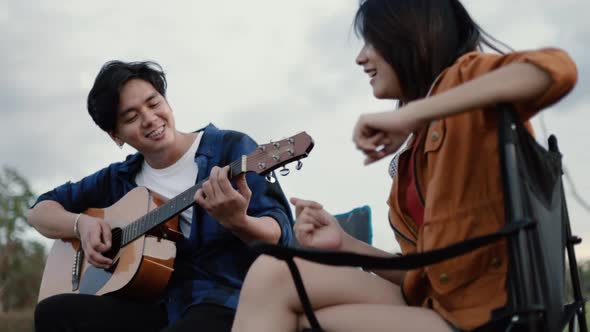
point(270, 68)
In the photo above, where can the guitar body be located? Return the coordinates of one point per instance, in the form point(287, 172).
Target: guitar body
point(141, 269)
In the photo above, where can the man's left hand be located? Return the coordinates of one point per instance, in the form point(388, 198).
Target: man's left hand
point(224, 203)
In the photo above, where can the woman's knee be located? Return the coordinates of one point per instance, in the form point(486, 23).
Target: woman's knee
point(266, 273)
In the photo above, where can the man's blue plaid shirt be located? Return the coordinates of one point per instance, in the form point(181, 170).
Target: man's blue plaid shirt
point(211, 264)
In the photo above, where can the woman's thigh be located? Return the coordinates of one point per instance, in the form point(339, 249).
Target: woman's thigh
point(378, 317)
point(325, 285)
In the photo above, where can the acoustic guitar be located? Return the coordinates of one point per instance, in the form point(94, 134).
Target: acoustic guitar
point(144, 228)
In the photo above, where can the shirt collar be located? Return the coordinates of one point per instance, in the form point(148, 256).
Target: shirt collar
point(208, 141)
point(132, 163)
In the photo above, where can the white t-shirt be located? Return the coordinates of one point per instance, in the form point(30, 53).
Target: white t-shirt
point(169, 182)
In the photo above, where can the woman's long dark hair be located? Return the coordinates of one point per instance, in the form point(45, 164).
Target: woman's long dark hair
point(420, 38)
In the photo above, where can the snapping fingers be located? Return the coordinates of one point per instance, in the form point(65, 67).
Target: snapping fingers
point(301, 204)
point(373, 156)
point(309, 216)
point(372, 142)
point(303, 228)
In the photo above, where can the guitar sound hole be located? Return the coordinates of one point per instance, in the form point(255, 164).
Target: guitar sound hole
point(116, 234)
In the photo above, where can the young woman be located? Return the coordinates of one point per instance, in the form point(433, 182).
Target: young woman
point(446, 188)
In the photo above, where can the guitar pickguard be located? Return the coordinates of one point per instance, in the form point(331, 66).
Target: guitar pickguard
point(95, 279)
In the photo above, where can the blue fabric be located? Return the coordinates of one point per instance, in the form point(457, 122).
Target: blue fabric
point(211, 264)
point(357, 222)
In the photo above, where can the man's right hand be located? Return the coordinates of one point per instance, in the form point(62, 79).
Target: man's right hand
point(95, 237)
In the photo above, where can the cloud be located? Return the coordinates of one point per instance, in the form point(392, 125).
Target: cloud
point(269, 68)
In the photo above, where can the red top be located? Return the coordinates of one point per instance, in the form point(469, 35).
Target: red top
point(413, 205)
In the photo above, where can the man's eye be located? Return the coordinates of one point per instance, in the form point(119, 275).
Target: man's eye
point(154, 105)
point(131, 119)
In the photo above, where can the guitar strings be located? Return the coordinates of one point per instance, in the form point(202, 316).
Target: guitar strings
point(253, 157)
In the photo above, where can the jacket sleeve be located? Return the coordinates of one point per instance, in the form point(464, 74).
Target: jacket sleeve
point(555, 62)
point(267, 198)
point(91, 191)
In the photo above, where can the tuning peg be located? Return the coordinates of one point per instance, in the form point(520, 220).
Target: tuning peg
point(270, 178)
point(299, 165)
point(284, 171)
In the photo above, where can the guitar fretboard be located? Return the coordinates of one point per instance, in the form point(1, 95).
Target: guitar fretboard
point(172, 207)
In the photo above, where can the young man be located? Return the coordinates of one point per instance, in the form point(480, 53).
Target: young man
point(128, 101)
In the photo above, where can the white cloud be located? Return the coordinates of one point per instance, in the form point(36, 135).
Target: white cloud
point(269, 68)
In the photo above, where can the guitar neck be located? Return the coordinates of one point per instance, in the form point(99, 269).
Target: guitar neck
point(172, 207)
point(262, 161)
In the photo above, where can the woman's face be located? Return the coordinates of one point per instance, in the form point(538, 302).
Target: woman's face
point(383, 78)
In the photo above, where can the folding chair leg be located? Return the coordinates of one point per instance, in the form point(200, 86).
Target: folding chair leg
point(575, 278)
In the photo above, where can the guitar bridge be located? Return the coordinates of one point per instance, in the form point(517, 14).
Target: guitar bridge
point(76, 268)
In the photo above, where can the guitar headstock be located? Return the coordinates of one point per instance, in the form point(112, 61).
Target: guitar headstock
point(269, 157)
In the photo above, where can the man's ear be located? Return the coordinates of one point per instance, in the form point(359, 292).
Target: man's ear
point(116, 138)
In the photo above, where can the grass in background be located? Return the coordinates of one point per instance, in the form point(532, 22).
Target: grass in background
point(17, 321)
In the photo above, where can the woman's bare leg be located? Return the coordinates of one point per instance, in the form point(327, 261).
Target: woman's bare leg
point(269, 300)
point(378, 318)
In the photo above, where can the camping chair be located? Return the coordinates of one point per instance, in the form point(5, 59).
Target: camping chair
point(357, 222)
point(538, 234)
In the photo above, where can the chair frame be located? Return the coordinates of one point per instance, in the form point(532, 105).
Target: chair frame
point(525, 310)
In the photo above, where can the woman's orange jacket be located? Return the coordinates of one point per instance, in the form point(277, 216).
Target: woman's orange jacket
point(459, 181)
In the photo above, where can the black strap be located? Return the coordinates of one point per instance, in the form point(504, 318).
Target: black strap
point(313, 321)
point(407, 262)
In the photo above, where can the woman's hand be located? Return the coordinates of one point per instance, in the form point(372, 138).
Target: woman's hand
point(95, 237)
point(380, 134)
point(315, 227)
